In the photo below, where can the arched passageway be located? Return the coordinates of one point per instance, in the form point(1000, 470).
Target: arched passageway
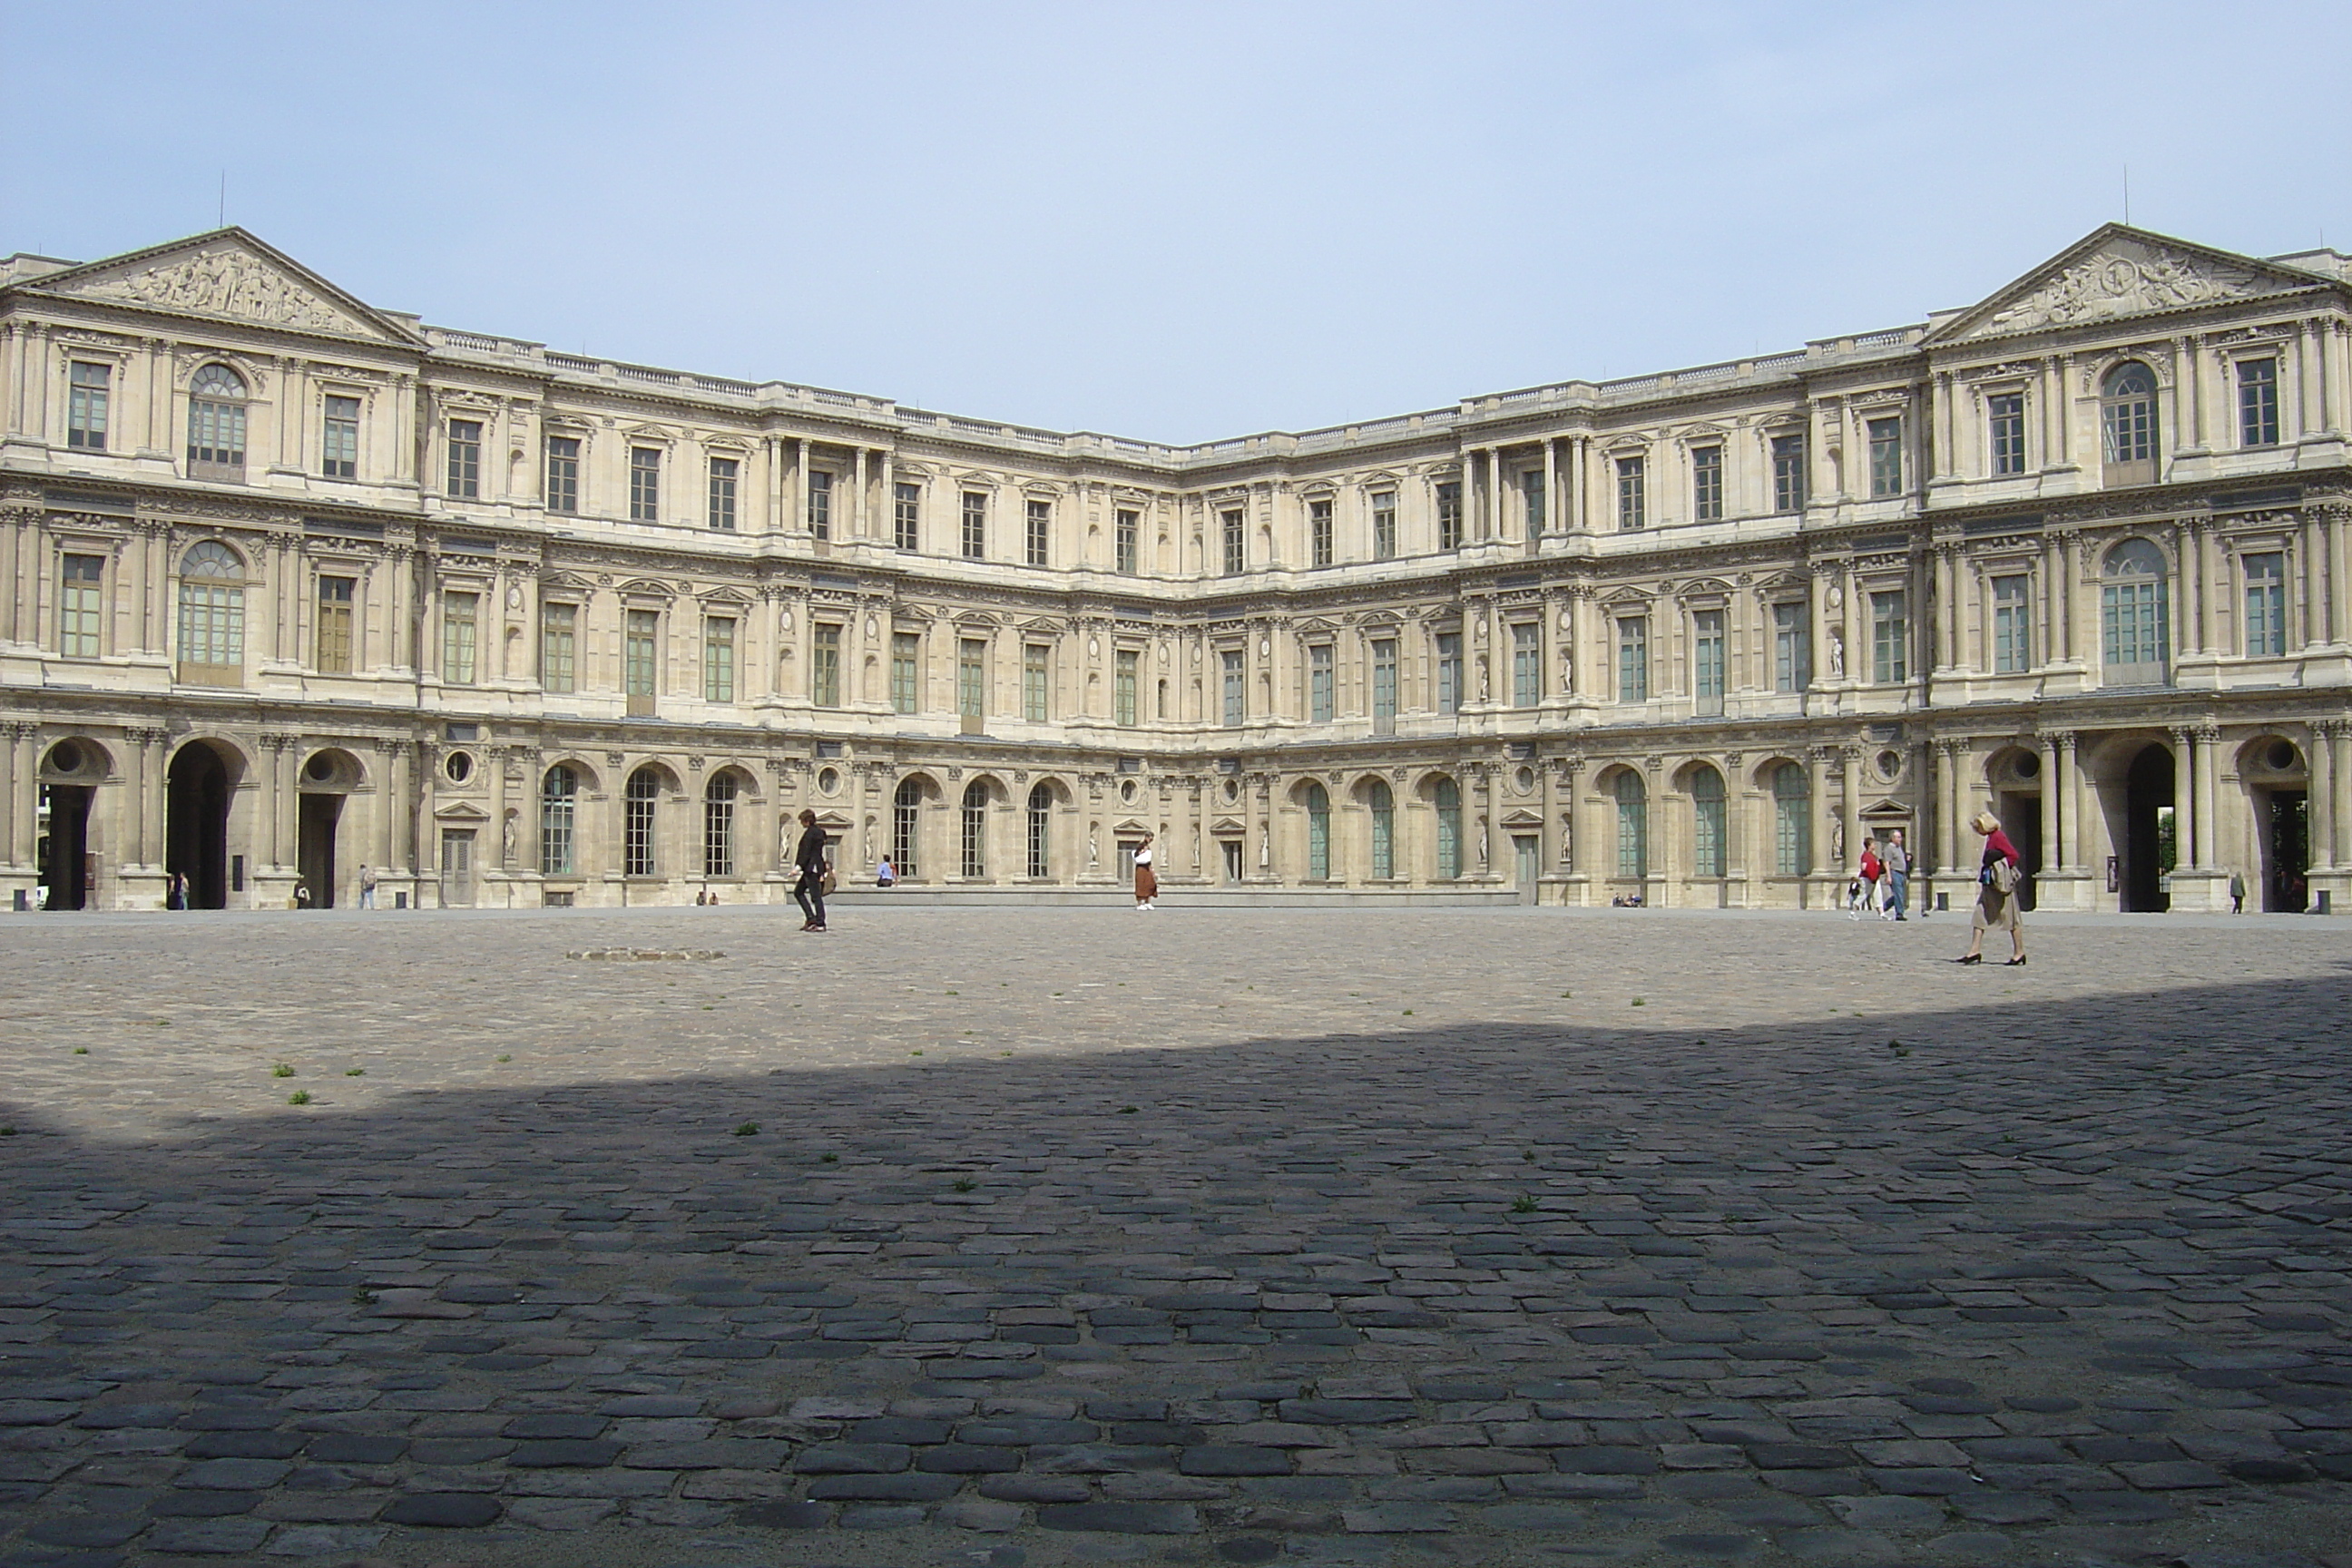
point(195, 813)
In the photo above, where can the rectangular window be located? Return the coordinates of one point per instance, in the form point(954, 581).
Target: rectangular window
point(465, 458)
point(1706, 662)
point(641, 659)
point(1235, 709)
point(2265, 606)
point(1526, 664)
point(339, 439)
point(1885, 455)
point(1384, 686)
point(905, 671)
point(1788, 473)
point(1890, 637)
point(975, 526)
point(2258, 414)
point(1384, 543)
point(2005, 426)
point(334, 639)
point(78, 601)
point(1633, 499)
point(825, 665)
point(86, 406)
point(1706, 484)
point(1127, 671)
point(907, 516)
point(558, 631)
point(1229, 526)
point(1321, 672)
point(563, 474)
point(459, 616)
point(1035, 678)
point(1449, 515)
point(1449, 672)
point(971, 677)
point(2012, 625)
point(820, 504)
point(645, 484)
point(1793, 647)
point(725, 476)
point(1318, 531)
point(1130, 524)
point(1633, 659)
point(719, 659)
point(1531, 486)
point(1040, 531)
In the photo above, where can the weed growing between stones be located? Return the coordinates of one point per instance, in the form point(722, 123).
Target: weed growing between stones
point(747, 1130)
point(1524, 1204)
point(300, 1097)
point(281, 1070)
point(965, 1183)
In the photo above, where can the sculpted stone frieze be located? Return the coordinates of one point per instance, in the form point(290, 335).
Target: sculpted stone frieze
point(2116, 284)
point(225, 280)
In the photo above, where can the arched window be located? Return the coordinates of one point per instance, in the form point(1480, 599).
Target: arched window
point(1448, 796)
point(719, 826)
point(1318, 833)
point(1792, 820)
point(216, 423)
point(1632, 825)
point(975, 829)
point(2128, 419)
point(1383, 802)
point(1041, 832)
point(212, 615)
point(905, 809)
point(642, 792)
point(2136, 640)
point(1709, 825)
point(559, 796)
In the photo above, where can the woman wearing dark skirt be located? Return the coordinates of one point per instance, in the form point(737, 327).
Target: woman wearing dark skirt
point(809, 891)
point(1996, 908)
point(1147, 882)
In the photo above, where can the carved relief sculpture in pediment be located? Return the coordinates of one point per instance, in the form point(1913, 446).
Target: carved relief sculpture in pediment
point(228, 279)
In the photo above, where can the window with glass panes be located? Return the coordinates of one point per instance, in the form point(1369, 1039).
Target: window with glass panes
point(1318, 531)
point(1449, 672)
point(2127, 415)
point(1788, 473)
point(2012, 624)
point(1384, 685)
point(906, 824)
point(86, 401)
point(1792, 821)
point(825, 665)
point(1041, 832)
point(725, 476)
point(1792, 645)
point(906, 667)
point(1710, 824)
point(459, 613)
point(1037, 682)
point(1126, 671)
point(2005, 431)
point(1890, 636)
point(971, 677)
point(1706, 484)
point(1886, 436)
point(558, 799)
point(1632, 494)
point(641, 659)
point(2258, 403)
point(1633, 659)
point(1230, 663)
point(1381, 803)
point(645, 484)
point(1229, 527)
point(1531, 490)
point(1526, 664)
point(975, 829)
point(1384, 532)
point(1321, 681)
point(1130, 524)
point(558, 632)
point(463, 480)
point(719, 826)
point(975, 525)
point(1447, 800)
point(563, 473)
point(1317, 801)
point(1706, 662)
point(216, 423)
point(820, 504)
point(334, 632)
point(640, 796)
point(2266, 605)
point(1449, 515)
point(907, 515)
point(719, 658)
point(339, 443)
point(212, 614)
point(1039, 537)
point(80, 580)
point(1632, 825)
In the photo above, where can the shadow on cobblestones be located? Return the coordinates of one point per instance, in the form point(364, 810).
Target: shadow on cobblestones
point(1971, 1284)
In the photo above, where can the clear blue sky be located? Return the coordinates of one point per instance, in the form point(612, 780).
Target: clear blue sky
point(1172, 221)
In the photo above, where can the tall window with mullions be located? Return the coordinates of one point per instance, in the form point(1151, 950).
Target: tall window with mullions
point(2266, 605)
point(1041, 832)
point(1632, 825)
point(1792, 820)
point(719, 826)
point(2258, 403)
point(86, 406)
point(1709, 824)
point(975, 829)
point(1040, 518)
point(907, 515)
point(906, 824)
point(643, 795)
point(559, 794)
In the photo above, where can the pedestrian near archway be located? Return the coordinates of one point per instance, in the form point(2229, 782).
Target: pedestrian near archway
point(1996, 906)
point(808, 858)
point(1147, 882)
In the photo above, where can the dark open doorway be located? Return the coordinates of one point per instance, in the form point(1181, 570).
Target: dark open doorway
point(2147, 840)
point(2284, 820)
point(2021, 818)
point(63, 850)
point(195, 816)
point(315, 854)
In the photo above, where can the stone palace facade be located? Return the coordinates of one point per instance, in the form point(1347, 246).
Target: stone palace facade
point(295, 584)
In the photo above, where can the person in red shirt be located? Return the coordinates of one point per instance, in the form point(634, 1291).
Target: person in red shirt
point(1996, 907)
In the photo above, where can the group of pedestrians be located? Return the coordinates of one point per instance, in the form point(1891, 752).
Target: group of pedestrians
point(1882, 885)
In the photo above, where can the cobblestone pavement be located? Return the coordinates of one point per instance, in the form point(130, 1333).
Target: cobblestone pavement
point(987, 1238)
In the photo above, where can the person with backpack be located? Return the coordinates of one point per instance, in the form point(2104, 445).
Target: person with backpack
point(1996, 907)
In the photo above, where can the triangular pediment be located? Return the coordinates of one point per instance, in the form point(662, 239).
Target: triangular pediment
point(229, 274)
point(2116, 272)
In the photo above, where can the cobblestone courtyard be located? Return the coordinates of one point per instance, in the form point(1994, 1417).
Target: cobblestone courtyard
point(979, 1238)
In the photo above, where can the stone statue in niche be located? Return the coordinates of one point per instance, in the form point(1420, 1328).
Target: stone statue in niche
point(1837, 842)
point(1567, 837)
point(1837, 654)
point(1482, 844)
point(507, 839)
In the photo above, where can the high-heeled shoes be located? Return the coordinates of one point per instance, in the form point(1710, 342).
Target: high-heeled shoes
point(1970, 958)
point(2013, 962)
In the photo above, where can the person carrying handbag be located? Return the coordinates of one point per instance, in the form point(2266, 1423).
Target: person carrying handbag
point(815, 872)
point(1996, 906)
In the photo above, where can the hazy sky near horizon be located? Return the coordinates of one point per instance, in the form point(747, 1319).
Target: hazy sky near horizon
point(1175, 222)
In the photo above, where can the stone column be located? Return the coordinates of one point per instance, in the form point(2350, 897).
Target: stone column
point(2070, 800)
point(2208, 740)
point(1576, 856)
point(1826, 850)
point(1948, 807)
point(2321, 807)
point(1850, 799)
point(2054, 840)
point(16, 781)
point(2340, 787)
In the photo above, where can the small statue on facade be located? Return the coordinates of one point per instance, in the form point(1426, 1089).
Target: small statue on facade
point(1837, 654)
point(507, 839)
